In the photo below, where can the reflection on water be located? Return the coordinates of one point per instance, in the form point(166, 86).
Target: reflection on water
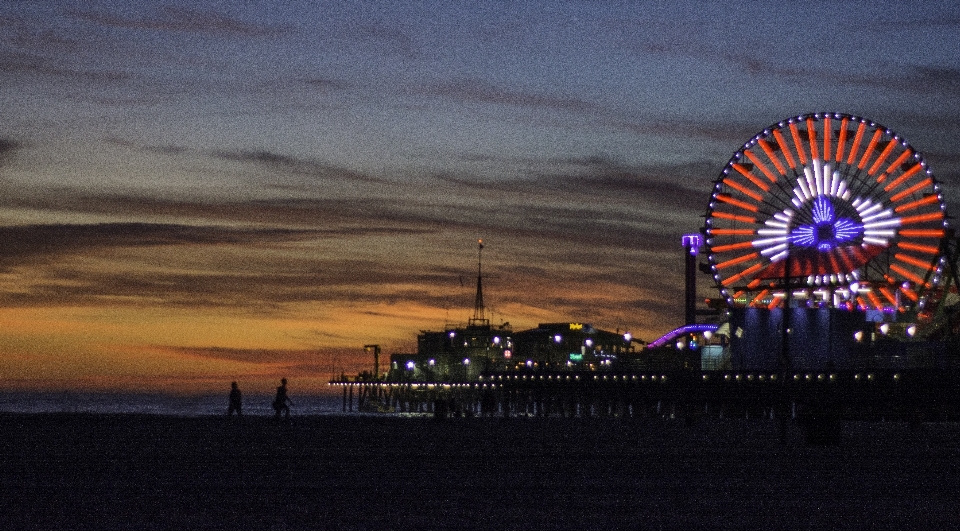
point(157, 404)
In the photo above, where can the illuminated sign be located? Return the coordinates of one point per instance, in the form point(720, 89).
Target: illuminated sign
point(576, 356)
point(692, 242)
point(576, 326)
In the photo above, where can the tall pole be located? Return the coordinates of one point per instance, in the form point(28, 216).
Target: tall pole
point(785, 327)
point(478, 309)
point(691, 246)
point(785, 347)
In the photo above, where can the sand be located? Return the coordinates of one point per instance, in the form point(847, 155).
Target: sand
point(81, 471)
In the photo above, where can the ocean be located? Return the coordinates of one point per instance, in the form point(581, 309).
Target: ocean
point(158, 403)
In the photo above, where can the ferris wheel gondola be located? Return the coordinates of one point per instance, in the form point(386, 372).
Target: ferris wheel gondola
point(837, 209)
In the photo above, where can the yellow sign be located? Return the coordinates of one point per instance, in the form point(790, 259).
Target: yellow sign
point(576, 326)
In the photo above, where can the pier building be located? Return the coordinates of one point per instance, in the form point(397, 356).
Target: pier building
point(460, 354)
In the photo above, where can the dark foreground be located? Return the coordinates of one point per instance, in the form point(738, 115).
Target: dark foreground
point(81, 471)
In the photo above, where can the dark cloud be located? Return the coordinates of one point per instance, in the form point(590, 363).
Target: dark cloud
point(911, 78)
point(596, 115)
point(22, 243)
point(294, 165)
point(937, 80)
point(254, 284)
point(180, 19)
point(330, 217)
point(379, 37)
point(484, 92)
point(263, 356)
point(729, 132)
point(29, 63)
point(916, 79)
point(948, 20)
point(324, 84)
point(8, 146)
point(596, 211)
point(614, 179)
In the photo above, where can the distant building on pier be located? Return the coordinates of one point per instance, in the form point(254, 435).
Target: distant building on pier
point(464, 353)
point(563, 346)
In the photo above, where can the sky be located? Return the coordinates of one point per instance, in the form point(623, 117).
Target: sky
point(196, 193)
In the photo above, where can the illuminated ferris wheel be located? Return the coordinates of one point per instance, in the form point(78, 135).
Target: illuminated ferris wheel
point(837, 208)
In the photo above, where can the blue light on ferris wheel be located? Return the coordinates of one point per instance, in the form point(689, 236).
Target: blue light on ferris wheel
point(827, 231)
point(823, 213)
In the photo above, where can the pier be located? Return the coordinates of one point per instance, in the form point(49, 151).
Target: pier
point(838, 299)
point(916, 395)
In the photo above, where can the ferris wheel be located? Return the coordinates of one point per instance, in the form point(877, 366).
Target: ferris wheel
point(837, 209)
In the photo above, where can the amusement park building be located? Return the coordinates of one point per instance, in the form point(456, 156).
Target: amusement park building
point(464, 353)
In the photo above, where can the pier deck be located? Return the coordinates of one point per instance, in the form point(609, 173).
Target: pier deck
point(865, 395)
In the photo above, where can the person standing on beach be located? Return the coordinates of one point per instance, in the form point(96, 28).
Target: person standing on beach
point(282, 402)
point(236, 402)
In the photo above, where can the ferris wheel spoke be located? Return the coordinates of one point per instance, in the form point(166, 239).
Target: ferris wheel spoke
point(841, 139)
point(914, 170)
point(768, 151)
point(797, 143)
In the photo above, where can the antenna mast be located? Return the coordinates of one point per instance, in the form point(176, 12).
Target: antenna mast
point(479, 317)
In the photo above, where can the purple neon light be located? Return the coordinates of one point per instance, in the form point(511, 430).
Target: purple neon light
point(692, 242)
point(670, 336)
point(822, 211)
point(827, 231)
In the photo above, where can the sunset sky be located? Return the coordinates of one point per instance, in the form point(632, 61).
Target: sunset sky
point(197, 193)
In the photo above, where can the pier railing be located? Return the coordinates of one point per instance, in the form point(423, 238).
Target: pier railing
point(869, 394)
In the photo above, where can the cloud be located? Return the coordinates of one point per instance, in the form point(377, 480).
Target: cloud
point(249, 285)
point(184, 266)
point(732, 132)
point(596, 115)
point(18, 62)
point(930, 79)
point(296, 166)
point(180, 19)
point(572, 237)
point(916, 79)
point(944, 19)
point(472, 90)
point(262, 158)
point(248, 355)
point(261, 368)
point(379, 37)
point(324, 85)
point(8, 147)
point(911, 78)
point(22, 243)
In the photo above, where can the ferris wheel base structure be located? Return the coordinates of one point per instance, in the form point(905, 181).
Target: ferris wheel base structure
point(830, 340)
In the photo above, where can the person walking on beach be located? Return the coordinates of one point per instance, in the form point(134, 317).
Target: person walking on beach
point(282, 402)
point(236, 402)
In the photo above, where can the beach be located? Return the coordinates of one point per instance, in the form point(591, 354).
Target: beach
point(133, 471)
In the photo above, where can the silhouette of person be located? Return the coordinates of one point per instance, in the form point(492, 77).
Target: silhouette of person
point(282, 402)
point(236, 402)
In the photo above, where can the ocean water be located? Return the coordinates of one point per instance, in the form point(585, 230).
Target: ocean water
point(158, 404)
